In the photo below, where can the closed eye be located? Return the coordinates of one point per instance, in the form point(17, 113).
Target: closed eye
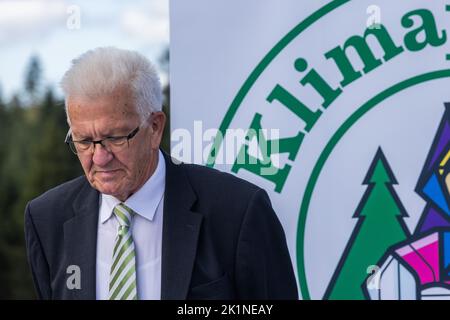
point(114, 138)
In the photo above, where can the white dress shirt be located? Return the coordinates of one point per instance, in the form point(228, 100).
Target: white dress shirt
point(146, 228)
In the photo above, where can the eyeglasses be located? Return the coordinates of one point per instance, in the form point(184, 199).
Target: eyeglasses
point(111, 144)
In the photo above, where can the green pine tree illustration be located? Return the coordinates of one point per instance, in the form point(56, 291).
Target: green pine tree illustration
point(380, 225)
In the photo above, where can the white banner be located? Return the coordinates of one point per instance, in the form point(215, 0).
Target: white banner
point(337, 109)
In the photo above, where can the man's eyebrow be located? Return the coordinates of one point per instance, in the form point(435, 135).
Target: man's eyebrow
point(80, 137)
point(117, 131)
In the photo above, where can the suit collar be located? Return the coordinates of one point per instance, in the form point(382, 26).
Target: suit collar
point(181, 228)
point(146, 200)
point(80, 240)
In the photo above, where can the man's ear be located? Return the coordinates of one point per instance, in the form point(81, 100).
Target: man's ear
point(157, 122)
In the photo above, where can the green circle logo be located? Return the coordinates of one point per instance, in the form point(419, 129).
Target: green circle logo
point(361, 182)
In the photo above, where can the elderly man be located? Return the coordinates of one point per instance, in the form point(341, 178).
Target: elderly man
point(137, 225)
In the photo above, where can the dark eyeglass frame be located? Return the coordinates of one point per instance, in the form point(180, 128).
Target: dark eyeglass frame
point(112, 139)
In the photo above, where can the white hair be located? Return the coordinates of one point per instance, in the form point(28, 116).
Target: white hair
point(97, 73)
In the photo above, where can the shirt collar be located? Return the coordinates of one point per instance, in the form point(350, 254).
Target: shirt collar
point(146, 200)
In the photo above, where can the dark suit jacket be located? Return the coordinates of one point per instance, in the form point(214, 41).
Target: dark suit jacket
point(221, 239)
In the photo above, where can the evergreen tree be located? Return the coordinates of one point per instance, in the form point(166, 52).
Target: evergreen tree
point(35, 160)
point(11, 119)
point(3, 128)
point(33, 77)
point(380, 225)
point(5, 288)
point(51, 162)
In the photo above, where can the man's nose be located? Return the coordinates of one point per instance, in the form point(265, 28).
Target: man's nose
point(101, 156)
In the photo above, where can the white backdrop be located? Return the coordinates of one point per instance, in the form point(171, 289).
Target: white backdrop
point(215, 47)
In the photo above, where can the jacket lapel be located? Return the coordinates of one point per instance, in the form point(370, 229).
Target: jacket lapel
point(80, 240)
point(181, 228)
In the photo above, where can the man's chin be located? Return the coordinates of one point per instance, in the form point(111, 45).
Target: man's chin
point(109, 188)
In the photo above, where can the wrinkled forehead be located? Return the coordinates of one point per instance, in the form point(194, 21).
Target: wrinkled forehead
point(118, 104)
point(105, 113)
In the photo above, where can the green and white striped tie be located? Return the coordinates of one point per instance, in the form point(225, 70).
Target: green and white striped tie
point(122, 283)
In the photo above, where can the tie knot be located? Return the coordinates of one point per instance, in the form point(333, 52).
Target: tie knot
point(124, 214)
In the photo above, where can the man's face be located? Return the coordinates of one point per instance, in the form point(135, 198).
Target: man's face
point(121, 173)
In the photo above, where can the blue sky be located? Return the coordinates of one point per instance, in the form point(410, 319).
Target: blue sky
point(39, 27)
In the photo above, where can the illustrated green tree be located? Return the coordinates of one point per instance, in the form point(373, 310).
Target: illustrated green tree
point(380, 225)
